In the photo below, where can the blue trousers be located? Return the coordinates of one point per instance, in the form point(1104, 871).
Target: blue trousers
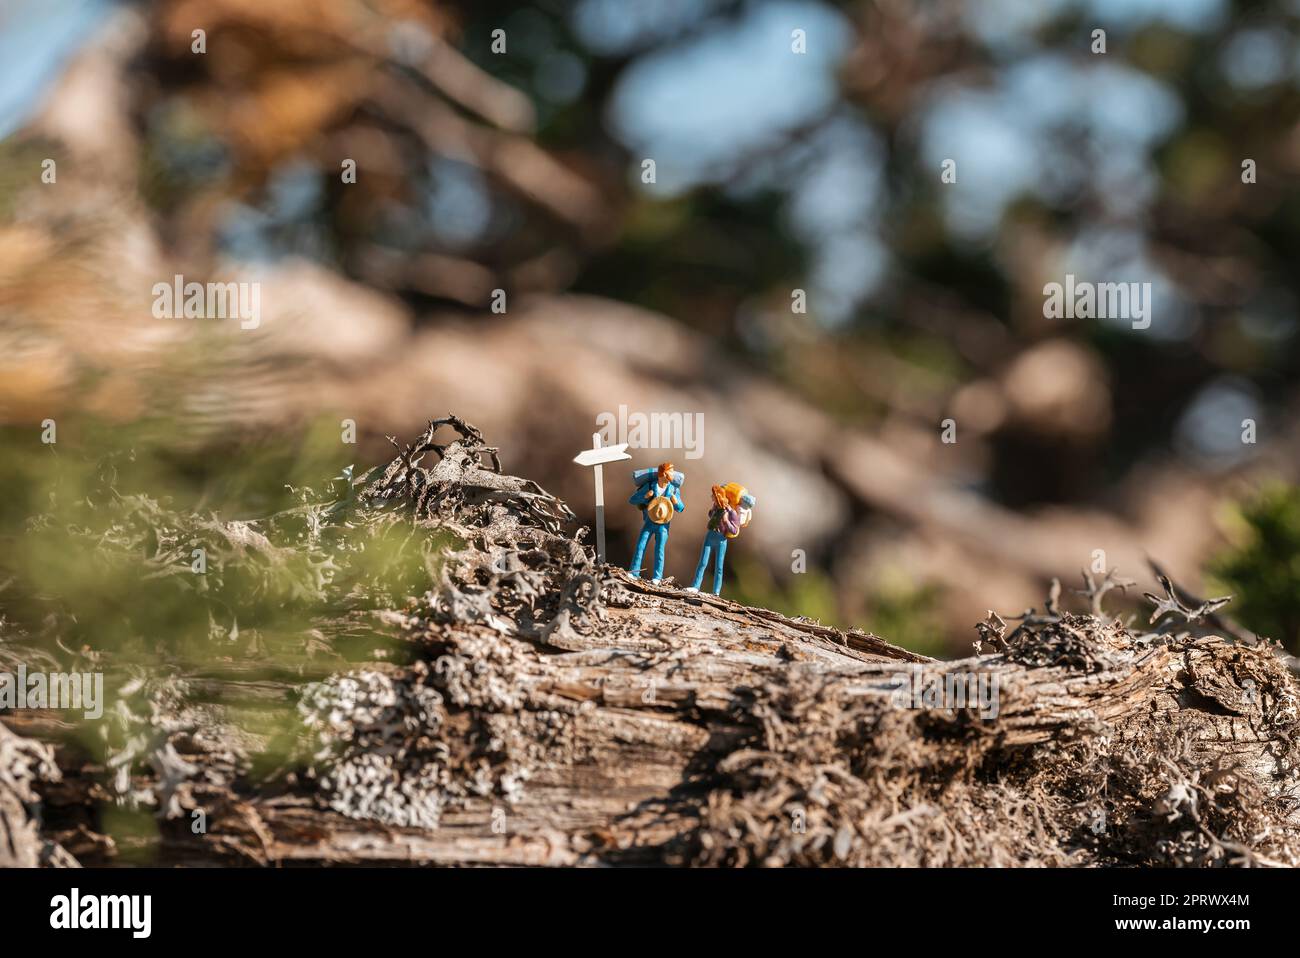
point(660, 532)
point(712, 541)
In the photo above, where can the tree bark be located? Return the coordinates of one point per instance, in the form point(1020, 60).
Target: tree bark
point(553, 712)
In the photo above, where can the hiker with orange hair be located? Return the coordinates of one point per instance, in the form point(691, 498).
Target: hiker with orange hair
point(658, 495)
point(733, 506)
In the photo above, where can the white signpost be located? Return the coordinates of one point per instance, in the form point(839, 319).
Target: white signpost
point(597, 456)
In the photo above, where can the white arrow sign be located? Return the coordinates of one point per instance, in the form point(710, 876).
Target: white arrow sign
point(596, 456)
point(601, 454)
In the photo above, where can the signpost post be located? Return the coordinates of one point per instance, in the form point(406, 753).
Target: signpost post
point(597, 456)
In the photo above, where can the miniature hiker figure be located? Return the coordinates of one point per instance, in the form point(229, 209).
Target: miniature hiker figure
point(733, 507)
point(658, 495)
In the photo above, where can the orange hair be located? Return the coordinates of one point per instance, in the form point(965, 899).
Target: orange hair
point(720, 498)
point(728, 496)
point(665, 473)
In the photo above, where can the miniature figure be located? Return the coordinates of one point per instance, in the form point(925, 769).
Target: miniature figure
point(658, 495)
point(733, 507)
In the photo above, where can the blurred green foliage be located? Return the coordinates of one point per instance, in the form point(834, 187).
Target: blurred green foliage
point(908, 614)
point(1261, 568)
point(98, 533)
point(750, 582)
point(134, 832)
point(896, 609)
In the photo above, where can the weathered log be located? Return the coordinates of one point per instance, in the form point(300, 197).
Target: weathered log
point(553, 712)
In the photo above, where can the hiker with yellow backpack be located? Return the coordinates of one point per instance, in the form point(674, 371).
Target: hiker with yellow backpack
point(733, 507)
